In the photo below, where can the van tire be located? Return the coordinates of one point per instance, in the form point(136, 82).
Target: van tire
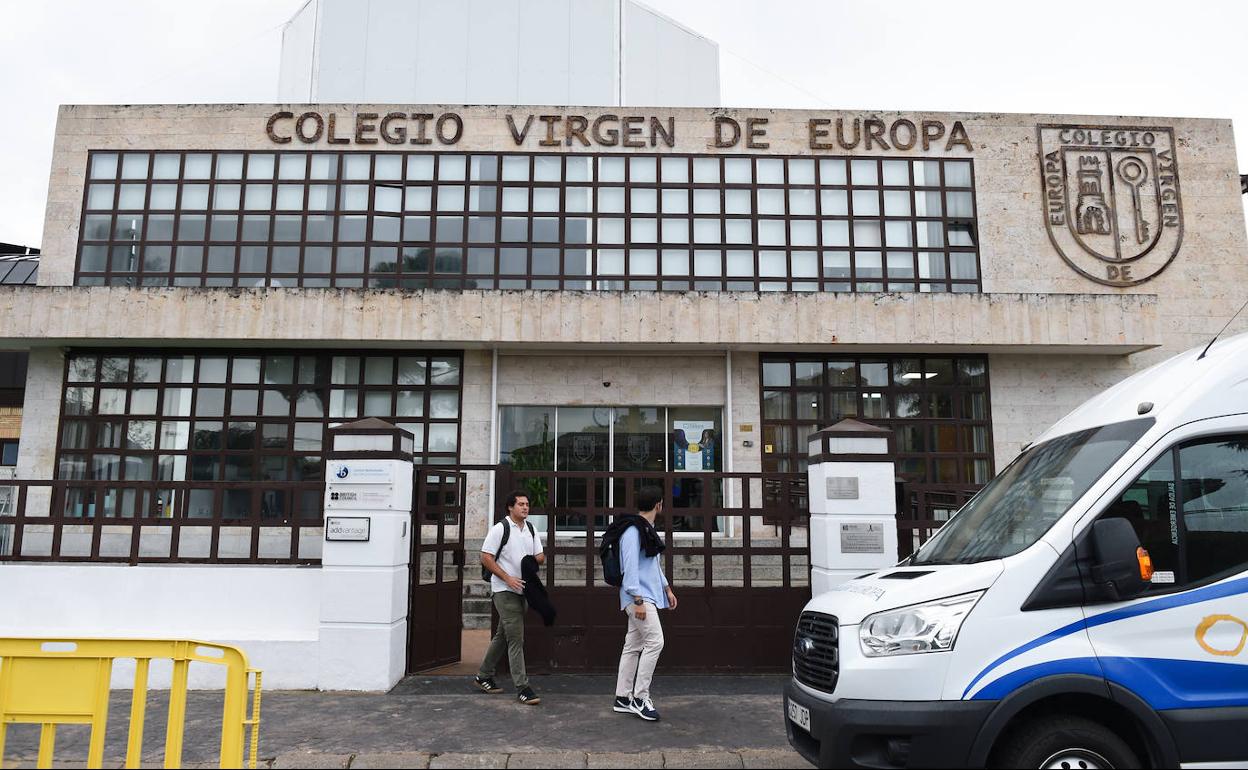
point(1037, 742)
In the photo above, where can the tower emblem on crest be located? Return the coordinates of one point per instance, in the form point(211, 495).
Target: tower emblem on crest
point(1111, 200)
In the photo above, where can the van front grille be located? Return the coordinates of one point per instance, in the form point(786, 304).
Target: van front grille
point(816, 657)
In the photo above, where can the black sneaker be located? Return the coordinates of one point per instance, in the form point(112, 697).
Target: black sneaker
point(623, 704)
point(644, 708)
point(528, 697)
point(486, 684)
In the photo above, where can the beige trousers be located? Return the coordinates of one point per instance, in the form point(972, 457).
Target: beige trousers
point(642, 646)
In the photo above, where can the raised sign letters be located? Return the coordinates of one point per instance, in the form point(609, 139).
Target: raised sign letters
point(869, 134)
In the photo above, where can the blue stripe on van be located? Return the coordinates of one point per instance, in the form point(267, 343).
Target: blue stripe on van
point(1163, 683)
point(1208, 593)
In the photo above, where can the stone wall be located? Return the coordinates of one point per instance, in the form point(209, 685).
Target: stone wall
point(41, 414)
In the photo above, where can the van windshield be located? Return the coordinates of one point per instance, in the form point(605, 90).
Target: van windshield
point(1019, 505)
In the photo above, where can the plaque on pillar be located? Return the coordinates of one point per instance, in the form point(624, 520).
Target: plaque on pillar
point(853, 523)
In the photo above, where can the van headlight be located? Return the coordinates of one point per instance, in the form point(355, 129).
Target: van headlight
point(930, 627)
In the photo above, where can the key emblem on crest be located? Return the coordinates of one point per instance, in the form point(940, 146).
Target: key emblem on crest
point(1111, 199)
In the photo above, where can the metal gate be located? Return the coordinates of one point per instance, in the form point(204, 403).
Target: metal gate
point(435, 620)
point(738, 556)
point(922, 509)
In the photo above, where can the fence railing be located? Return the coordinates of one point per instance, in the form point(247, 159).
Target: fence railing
point(159, 521)
point(744, 529)
point(725, 514)
point(924, 508)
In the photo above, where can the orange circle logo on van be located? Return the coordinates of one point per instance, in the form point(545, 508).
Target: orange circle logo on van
point(1207, 625)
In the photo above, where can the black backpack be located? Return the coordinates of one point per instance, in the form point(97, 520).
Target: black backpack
point(609, 554)
point(485, 573)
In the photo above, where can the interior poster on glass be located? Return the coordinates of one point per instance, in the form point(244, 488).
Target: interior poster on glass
point(693, 445)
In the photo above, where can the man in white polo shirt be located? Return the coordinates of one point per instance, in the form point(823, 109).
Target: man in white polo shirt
point(502, 559)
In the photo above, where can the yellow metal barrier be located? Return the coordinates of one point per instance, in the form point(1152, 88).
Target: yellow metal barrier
point(53, 682)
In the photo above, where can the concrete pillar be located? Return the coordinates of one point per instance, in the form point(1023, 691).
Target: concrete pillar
point(853, 503)
point(364, 565)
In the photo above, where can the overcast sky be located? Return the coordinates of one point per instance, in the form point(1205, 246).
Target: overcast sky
point(1108, 58)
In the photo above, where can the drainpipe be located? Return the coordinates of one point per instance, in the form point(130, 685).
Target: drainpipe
point(493, 459)
point(728, 443)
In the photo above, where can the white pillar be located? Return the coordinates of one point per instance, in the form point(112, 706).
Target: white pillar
point(364, 565)
point(853, 503)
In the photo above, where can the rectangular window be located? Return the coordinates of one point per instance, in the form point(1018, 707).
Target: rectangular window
point(149, 416)
point(1196, 530)
point(937, 407)
point(793, 224)
point(595, 443)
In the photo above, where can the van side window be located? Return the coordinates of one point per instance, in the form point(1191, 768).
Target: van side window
point(1151, 505)
point(1197, 530)
point(1215, 506)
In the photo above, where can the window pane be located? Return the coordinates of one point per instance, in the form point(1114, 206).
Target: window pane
point(831, 171)
point(1150, 505)
point(957, 173)
point(1215, 506)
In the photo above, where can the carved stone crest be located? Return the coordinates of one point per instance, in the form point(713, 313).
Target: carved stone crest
point(1111, 199)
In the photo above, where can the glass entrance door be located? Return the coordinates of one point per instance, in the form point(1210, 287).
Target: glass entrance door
point(607, 440)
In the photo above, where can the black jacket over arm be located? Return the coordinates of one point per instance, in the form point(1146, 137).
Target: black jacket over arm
point(535, 592)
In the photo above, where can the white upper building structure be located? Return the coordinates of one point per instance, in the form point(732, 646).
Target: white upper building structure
point(592, 52)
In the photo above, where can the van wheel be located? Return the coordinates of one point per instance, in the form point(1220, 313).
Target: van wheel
point(1064, 742)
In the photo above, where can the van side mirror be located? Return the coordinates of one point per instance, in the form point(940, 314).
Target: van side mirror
point(1117, 564)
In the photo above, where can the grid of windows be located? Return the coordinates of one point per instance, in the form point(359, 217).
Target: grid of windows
point(937, 406)
point(536, 221)
point(242, 417)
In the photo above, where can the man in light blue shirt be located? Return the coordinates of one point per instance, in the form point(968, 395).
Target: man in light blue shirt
point(644, 591)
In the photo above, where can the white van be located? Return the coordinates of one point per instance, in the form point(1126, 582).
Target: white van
point(1088, 608)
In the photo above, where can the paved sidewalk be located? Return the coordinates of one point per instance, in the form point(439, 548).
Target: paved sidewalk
point(441, 722)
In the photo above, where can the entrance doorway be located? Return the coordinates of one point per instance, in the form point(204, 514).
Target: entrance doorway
point(601, 456)
point(435, 620)
point(740, 594)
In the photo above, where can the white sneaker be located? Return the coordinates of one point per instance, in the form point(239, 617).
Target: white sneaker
point(644, 708)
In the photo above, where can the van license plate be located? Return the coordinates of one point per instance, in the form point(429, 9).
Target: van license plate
point(800, 716)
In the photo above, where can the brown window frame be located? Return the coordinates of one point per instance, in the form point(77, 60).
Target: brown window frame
point(959, 426)
point(291, 498)
point(459, 263)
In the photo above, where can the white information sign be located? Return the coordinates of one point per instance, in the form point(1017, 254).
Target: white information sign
point(354, 528)
point(358, 497)
point(361, 472)
point(862, 538)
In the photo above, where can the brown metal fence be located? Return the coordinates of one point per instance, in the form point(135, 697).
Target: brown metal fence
point(143, 522)
point(737, 554)
point(924, 508)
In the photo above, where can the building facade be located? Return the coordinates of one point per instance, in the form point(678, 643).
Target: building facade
point(578, 301)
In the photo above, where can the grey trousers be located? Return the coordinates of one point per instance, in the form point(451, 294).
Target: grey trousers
point(642, 645)
point(509, 639)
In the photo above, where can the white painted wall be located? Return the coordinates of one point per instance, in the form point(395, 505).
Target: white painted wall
point(297, 63)
point(494, 52)
point(665, 63)
point(339, 626)
point(273, 613)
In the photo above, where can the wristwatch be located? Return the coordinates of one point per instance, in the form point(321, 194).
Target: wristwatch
point(638, 601)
